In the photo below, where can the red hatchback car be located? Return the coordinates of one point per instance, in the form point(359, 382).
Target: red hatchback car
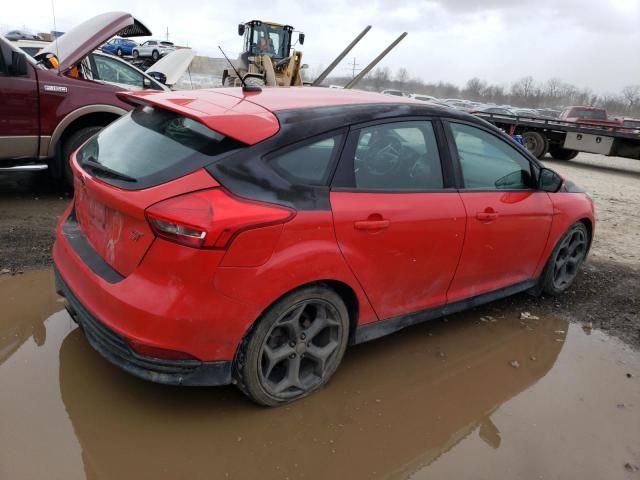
point(219, 236)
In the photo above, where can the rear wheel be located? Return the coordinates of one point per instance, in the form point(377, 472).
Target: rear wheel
point(560, 153)
point(565, 261)
point(295, 348)
point(536, 143)
point(119, 52)
point(74, 141)
point(135, 54)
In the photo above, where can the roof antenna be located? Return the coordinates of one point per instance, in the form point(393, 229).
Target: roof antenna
point(245, 87)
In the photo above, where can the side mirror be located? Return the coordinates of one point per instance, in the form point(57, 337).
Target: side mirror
point(160, 77)
point(301, 38)
point(241, 29)
point(18, 65)
point(549, 181)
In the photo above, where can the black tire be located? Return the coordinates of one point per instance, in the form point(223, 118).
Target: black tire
point(560, 153)
point(119, 52)
point(536, 143)
point(71, 143)
point(565, 260)
point(135, 54)
point(287, 355)
point(155, 55)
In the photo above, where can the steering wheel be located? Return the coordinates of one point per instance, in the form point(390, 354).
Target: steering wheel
point(383, 155)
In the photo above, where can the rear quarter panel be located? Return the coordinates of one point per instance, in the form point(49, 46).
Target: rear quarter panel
point(306, 252)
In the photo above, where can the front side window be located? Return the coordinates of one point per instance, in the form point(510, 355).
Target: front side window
point(488, 162)
point(111, 70)
point(308, 165)
point(394, 156)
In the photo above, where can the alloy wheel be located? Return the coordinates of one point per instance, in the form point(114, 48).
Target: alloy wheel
point(570, 255)
point(300, 349)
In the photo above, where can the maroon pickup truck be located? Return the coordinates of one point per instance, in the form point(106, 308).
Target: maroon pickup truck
point(50, 105)
point(589, 116)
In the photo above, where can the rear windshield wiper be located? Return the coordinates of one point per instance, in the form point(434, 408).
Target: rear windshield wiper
point(95, 166)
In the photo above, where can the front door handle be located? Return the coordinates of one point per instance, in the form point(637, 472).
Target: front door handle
point(488, 215)
point(371, 224)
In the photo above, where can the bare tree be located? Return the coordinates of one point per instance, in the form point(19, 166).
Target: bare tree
point(631, 95)
point(474, 88)
point(380, 78)
point(402, 76)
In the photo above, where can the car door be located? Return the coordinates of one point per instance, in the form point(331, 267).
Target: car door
point(508, 219)
point(19, 126)
point(112, 70)
point(398, 220)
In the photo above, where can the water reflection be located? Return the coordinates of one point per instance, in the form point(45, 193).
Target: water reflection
point(395, 405)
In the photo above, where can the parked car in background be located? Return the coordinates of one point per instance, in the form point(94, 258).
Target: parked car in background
point(119, 46)
point(494, 110)
point(526, 112)
point(21, 35)
point(396, 93)
point(424, 98)
point(633, 124)
point(53, 103)
point(153, 49)
point(306, 246)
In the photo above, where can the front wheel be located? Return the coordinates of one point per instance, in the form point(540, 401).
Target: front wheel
point(295, 348)
point(155, 55)
point(119, 52)
point(565, 260)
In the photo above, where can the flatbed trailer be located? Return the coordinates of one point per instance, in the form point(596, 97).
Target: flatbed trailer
point(564, 140)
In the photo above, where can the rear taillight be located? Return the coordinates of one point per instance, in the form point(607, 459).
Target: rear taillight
point(211, 218)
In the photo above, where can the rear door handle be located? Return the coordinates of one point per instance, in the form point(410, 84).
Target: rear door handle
point(371, 224)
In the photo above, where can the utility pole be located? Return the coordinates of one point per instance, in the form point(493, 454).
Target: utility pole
point(167, 34)
point(353, 66)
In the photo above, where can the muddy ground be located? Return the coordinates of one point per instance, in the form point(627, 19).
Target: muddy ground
point(605, 296)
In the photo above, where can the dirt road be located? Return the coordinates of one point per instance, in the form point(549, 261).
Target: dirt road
point(482, 394)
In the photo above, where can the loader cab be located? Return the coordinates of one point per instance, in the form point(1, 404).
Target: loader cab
point(270, 39)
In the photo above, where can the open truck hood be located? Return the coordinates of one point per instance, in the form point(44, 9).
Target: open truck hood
point(173, 65)
point(82, 39)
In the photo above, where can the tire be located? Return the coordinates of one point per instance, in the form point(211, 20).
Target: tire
point(155, 55)
point(135, 54)
point(536, 143)
point(287, 355)
point(74, 141)
point(119, 52)
point(254, 80)
point(565, 260)
point(560, 153)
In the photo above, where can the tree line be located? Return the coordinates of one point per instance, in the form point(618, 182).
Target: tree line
point(525, 92)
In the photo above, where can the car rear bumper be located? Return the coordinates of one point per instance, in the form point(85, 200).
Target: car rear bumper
point(115, 349)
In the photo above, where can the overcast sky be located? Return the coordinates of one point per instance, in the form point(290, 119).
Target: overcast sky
point(591, 43)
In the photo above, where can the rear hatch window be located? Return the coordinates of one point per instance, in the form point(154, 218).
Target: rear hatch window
point(150, 146)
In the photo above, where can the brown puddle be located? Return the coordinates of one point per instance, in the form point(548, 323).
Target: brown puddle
point(440, 400)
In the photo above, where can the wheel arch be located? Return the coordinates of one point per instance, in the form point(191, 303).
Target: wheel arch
point(89, 115)
point(588, 223)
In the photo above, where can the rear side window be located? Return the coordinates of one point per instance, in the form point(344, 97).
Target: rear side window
point(152, 145)
point(488, 162)
point(307, 165)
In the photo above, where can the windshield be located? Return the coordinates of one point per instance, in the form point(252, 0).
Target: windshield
point(153, 144)
point(270, 40)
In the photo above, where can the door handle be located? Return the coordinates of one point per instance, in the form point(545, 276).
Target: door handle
point(489, 215)
point(371, 224)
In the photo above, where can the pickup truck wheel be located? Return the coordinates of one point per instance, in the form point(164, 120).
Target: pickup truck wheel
point(73, 142)
point(560, 153)
point(155, 55)
point(536, 143)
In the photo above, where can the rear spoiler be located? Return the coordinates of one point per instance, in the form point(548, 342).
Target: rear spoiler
point(233, 117)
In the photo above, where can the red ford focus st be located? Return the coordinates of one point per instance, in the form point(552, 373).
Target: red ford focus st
point(225, 237)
